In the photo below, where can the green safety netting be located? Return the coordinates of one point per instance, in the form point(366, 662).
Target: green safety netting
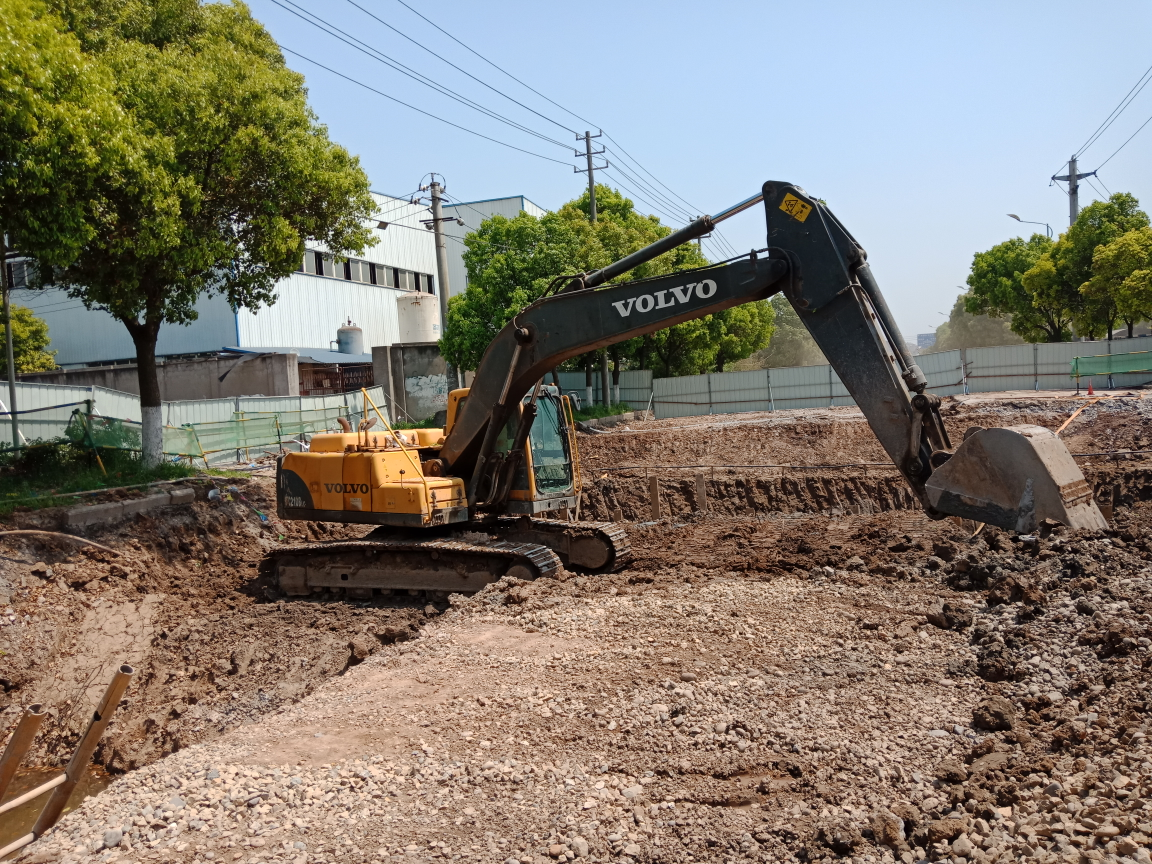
point(245, 432)
point(1112, 364)
point(293, 423)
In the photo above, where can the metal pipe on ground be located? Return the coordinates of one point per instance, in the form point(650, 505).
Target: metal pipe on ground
point(66, 785)
point(19, 744)
point(33, 793)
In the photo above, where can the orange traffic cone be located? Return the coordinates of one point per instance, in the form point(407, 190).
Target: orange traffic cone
point(1090, 393)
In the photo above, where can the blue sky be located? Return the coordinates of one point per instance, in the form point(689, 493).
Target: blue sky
point(921, 124)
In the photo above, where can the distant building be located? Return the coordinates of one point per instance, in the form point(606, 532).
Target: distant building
point(925, 340)
point(311, 306)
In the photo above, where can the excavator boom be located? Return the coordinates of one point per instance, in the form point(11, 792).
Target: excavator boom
point(1013, 480)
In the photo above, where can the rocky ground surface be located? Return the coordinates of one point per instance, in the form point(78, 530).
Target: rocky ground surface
point(769, 686)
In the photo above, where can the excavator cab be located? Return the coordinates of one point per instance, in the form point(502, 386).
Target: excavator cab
point(545, 480)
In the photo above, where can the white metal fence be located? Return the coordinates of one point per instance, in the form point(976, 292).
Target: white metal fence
point(51, 407)
point(971, 370)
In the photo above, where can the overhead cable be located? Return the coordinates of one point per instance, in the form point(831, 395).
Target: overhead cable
point(493, 65)
point(503, 71)
point(422, 111)
point(458, 69)
point(1118, 110)
point(1125, 144)
point(384, 59)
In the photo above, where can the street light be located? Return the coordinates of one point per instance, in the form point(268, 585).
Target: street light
point(1047, 227)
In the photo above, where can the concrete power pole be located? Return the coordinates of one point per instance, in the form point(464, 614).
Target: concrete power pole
point(589, 153)
point(1073, 188)
point(437, 227)
point(6, 287)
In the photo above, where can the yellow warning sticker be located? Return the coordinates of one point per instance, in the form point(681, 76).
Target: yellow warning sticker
point(795, 208)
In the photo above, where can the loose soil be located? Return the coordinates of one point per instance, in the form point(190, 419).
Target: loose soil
point(809, 669)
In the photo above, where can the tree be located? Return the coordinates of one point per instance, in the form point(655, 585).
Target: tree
point(511, 262)
point(997, 289)
point(965, 330)
point(62, 135)
point(1060, 278)
point(1122, 270)
point(228, 172)
point(791, 343)
point(29, 343)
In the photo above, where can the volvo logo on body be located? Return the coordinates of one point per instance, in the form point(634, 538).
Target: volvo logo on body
point(346, 487)
point(665, 298)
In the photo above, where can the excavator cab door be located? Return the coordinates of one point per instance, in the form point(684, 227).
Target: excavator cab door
point(543, 481)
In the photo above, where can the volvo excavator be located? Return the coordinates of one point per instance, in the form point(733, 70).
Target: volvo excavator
point(457, 508)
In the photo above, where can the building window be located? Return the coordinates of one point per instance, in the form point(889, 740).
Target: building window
point(431, 285)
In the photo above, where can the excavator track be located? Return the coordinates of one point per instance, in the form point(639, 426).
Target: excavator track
point(594, 547)
point(375, 567)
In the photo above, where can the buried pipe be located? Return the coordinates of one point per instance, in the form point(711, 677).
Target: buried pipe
point(72, 537)
point(65, 785)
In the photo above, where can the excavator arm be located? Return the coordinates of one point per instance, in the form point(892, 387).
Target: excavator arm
point(1008, 477)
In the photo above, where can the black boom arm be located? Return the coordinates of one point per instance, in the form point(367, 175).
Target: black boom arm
point(574, 322)
point(813, 259)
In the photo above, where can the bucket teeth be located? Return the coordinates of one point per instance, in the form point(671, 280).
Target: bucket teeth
point(1014, 477)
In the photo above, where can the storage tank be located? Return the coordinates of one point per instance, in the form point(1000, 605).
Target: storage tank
point(350, 339)
point(418, 316)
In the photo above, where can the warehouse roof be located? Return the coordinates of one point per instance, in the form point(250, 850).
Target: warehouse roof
point(307, 355)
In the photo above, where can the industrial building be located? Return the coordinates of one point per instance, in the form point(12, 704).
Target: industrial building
point(387, 293)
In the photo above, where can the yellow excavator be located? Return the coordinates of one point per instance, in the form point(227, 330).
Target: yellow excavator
point(495, 492)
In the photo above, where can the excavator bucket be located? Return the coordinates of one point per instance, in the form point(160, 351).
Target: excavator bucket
point(1014, 477)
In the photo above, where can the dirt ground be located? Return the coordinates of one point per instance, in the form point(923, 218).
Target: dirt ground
point(810, 670)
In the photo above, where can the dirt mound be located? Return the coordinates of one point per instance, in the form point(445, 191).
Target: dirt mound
point(184, 603)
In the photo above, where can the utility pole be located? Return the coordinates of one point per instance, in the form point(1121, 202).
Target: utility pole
point(436, 223)
point(591, 169)
point(6, 287)
point(605, 391)
point(1073, 188)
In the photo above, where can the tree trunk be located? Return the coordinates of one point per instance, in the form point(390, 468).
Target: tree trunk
point(605, 389)
point(1130, 326)
point(588, 403)
point(616, 374)
point(152, 425)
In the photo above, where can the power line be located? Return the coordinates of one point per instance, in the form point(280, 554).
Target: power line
point(1117, 111)
point(1125, 144)
point(494, 66)
point(458, 69)
point(503, 71)
point(422, 111)
point(395, 65)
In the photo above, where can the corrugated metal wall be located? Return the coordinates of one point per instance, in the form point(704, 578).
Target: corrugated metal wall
point(473, 213)
point(635, 386)
point(310, 309)
point(82, 336)
point(983, 370)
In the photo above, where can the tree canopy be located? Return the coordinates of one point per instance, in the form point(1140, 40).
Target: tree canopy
point(1122, 270)
point(29, 343)
point(965, 330)
point(791, 343)
point(1048, 289)
point(63, 136)
point(510, 263)
point(223, 173)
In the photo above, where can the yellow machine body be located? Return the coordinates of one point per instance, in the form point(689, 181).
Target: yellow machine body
point(376, 476)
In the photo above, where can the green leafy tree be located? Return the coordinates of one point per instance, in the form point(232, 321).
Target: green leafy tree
point(965, 330)
point(29, 343)
point(510, 263)
point(228, 173)
point(1122, 271)
point(997, 289)
point(1095, 312)
point(63, 135)
point(791, 343)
